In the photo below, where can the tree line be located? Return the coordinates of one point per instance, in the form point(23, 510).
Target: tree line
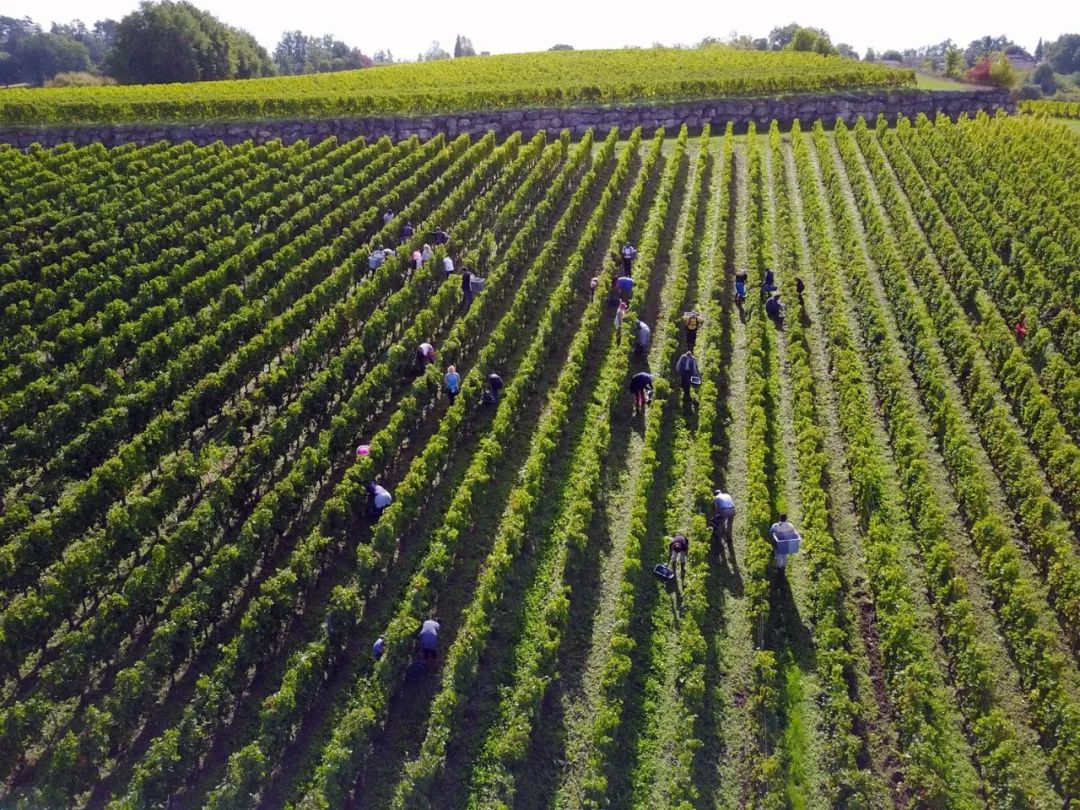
point(172, 41)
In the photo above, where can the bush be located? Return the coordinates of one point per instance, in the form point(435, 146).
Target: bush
point(79, 78)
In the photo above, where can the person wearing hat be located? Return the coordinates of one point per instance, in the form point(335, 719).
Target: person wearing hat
point(692, 322)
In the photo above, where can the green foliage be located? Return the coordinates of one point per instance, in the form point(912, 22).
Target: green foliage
point(183, 52)
point(173, 41)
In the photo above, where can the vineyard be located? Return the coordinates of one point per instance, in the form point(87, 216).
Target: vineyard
point(194, 344)
point(510, 81)
point(1058, 109)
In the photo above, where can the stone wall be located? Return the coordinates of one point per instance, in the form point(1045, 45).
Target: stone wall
point(740, 111)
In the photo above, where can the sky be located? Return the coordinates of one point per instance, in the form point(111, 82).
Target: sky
point(408, 28)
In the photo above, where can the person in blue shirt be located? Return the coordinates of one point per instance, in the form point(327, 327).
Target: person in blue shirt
point(769, 284)
point(740, 286)
point(624, 285)
point(453, 382)
point(429, 639)
point(406, 231)
point(774, 309)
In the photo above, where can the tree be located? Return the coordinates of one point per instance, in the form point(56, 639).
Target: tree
point(814, 40)
point(13, 29)
point(892, 56)
point(42, 56)
point(170, 41)
point(97, 40)
point(290, 54)
point(434, 53)
point(9, 68)
point(954, 63)
point(1063, 54)
point(1039, 50)
point(463, 47)
point(871, 55)
point(561, 47)
point(1043, 76)
point(780, 36)
point(993, 70)
point(846, 51)
point(985, 46)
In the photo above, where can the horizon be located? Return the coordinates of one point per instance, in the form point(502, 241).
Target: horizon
point(379, 28)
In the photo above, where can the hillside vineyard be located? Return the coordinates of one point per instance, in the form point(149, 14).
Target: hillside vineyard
point(207, 359)
point(508, 81)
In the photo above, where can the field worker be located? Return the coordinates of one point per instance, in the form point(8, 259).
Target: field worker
point(376, 259)
point(628, 254)
point(769, 284)
point(380, 498)
point(406, 231)
point(640, 384)
point(740, 286)
point(495, 385)
point(644, 336)
point(680, 549)
point(624, 286)
point(1021, 328)
point(417, 259)
point(425, 355)
point(388, 253)
point(441, 237)
point(800, 287)
point(780, 529)
point(448, 266)
point(427, 254)
point(773, 308)
point(688, 371)
point(378, 648)
point(620, 314)
point(467, 293)
point(594, 282)
point(387, 216)
point(723, 515)
point(429, 639)
point(692, 322)
point(453, 382)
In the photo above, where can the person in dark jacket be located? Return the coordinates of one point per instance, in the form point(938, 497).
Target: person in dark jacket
point(466, 287)
point(441, 237)
point(774, 309)
point(640, 386)
point(687, 368)
point(495, 385)
point(406, 231)
point(768, 286)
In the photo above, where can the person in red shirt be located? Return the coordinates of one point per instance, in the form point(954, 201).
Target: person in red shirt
point(1021, 329)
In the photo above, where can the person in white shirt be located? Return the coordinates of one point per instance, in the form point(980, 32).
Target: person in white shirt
point(723, 517)
point(380, 498)
point(448, 266)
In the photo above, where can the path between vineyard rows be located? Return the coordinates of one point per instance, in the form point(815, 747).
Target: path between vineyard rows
point(194, 344)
